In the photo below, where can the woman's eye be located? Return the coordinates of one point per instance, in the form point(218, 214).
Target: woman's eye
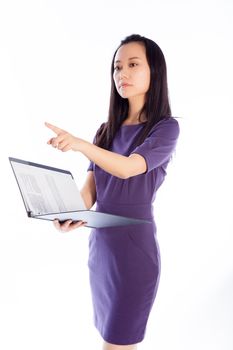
point(131, 64)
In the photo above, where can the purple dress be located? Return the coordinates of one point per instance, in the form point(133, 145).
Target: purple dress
point(124, 262)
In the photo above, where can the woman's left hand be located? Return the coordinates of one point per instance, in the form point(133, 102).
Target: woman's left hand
point(64, 141)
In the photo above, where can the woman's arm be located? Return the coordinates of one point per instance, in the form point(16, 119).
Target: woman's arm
point(88, 190)
point(113, 163)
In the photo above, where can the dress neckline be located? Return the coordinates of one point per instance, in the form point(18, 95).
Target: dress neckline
point(134, 124)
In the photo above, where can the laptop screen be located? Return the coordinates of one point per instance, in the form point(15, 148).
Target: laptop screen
point(46, 189)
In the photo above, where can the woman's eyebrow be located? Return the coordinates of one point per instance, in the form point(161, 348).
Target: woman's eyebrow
point(131, 58)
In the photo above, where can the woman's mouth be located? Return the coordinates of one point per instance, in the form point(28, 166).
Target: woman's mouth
point(124, 85)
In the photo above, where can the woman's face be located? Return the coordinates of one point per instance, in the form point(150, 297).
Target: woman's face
point(131, 70)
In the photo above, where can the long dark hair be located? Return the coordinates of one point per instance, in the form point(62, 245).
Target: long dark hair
point(156, 105)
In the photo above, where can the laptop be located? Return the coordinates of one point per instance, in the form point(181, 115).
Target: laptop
point(50, 193)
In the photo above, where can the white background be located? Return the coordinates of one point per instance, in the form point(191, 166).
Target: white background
point(55, 61)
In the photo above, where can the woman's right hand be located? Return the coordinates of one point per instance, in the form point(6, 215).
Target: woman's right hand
point(68, 225)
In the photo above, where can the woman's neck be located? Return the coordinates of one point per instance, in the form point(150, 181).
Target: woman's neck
point(136, 104)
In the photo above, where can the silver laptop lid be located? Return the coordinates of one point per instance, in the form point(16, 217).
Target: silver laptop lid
point(45, 189)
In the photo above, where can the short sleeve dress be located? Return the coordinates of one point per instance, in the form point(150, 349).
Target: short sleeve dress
point(124, 262)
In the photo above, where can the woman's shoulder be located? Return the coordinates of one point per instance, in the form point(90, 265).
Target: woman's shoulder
point(168, 120)
point(168, 125)
point(101, 128)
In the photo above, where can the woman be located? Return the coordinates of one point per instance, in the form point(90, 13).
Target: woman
point(128, 161)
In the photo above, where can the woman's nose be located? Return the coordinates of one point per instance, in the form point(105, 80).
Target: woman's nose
point(123, 73)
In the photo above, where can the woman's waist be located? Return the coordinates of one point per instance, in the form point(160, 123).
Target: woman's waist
point(135, 210)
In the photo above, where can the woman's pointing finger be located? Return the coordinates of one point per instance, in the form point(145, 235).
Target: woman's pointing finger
point(54, 128)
